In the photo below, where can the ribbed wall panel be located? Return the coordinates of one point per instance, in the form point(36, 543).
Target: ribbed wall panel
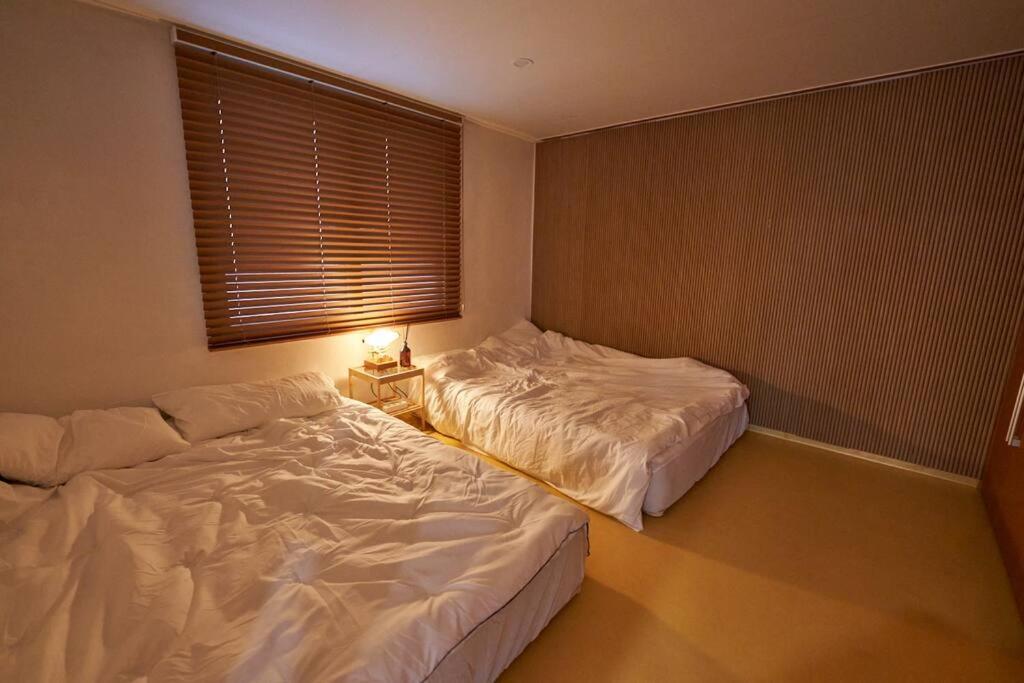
point(855, 255)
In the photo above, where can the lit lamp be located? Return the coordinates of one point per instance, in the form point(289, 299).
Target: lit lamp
point(379, 341)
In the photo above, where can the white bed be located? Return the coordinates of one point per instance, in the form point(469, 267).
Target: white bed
point(620, 433)
point(347, 546)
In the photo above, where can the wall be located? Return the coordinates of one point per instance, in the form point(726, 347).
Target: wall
point(99, 287)
point(856, 256)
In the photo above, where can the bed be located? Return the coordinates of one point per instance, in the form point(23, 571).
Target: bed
point(617, 432)
point(345, 546)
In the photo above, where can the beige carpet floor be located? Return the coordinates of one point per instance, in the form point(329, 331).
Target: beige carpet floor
point(791, 563)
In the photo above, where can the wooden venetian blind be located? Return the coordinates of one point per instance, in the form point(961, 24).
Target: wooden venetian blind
point(317, 210)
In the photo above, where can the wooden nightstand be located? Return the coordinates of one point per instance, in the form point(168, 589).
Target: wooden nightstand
point(399, 402)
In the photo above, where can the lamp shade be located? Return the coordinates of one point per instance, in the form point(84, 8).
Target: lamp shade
point(379, 339)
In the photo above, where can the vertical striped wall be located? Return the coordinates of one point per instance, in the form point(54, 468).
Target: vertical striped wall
point(855, 255)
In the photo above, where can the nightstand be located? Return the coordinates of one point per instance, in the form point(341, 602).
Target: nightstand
point(398, 402)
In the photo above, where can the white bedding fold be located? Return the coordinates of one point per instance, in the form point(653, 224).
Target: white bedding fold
point(586, 419)
point(343, 547)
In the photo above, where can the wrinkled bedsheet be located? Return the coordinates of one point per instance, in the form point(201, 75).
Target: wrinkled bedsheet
point(587, 419)
point(348, 546)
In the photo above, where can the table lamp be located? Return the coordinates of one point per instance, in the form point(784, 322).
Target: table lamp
point(378, 341)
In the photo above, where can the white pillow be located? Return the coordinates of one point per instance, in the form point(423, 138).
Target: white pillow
point(206, 412)
point(118, 437)
point(520, 334)
point(28, 448)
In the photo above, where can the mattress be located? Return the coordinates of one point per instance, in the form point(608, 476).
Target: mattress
point(348, 546)
point(676, 469)
point(496, 642)
point(586, 419)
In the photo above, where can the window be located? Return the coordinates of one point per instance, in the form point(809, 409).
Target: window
point(320, 205)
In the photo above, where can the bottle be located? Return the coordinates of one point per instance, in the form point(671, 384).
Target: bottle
point(405, 357)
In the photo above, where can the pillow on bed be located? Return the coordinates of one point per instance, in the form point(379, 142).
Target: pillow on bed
point(28, 448)
point(210, 411)
point(520, 334)
point(118, 437)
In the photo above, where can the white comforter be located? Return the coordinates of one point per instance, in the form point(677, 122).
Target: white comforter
point(586, 419)
point(343, 547)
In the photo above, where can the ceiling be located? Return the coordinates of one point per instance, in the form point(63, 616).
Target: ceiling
point(602, 62)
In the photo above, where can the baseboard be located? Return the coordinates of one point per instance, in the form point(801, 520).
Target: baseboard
point(870, 457)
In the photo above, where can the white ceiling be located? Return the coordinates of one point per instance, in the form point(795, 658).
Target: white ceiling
point(601, 62)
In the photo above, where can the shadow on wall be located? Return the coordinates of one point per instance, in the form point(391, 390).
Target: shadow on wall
point(812, 418)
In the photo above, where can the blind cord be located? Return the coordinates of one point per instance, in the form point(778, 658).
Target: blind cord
point(319, 206)
point(391, 258)
point(227, 190)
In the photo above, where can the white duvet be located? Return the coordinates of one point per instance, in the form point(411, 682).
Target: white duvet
point(343, 547)
point(584, 418)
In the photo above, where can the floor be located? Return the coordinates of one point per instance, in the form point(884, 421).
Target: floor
point(791, 563)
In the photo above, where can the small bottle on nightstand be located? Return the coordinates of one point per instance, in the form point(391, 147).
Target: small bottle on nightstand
point(405, 357)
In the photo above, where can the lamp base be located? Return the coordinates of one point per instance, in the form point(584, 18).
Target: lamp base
point(382, 363)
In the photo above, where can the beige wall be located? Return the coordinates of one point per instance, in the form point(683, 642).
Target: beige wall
point(99, 287)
